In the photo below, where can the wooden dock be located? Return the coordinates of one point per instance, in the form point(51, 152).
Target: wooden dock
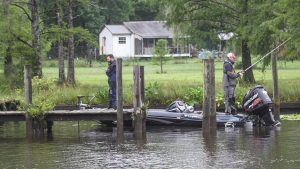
point(69, 115)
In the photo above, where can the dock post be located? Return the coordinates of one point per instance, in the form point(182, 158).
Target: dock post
point(139, 113)
point(209, 100)
point(276, 98)
point(120, 120)
point(28, 99)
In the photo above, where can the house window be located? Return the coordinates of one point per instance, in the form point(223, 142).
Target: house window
point(122, 40)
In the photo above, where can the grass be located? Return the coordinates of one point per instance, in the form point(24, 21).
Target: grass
point(180, 76)
point(290, 117)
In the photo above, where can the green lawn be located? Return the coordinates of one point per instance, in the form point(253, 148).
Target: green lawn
point(179, 77)
point(190, 72)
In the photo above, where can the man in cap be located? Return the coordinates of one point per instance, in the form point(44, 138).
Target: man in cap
point(229, 83)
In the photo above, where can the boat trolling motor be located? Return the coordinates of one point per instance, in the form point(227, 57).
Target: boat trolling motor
point(180, 107)
point(257, 103)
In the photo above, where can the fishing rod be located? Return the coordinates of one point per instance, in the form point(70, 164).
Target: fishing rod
point(267, 55)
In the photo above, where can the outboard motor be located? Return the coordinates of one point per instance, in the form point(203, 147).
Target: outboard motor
point(257, 102)
point(180, 107)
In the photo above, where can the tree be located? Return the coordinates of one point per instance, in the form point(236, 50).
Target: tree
point(35, 31)
point(62, 27)
point(8, 61)
point(204, 20)
point(143, 11)
point(160, 51)
point(285, 24)
point(116, 11)
point(61, 59)
point(71, 70)
point(35, 45)
point(16, 39)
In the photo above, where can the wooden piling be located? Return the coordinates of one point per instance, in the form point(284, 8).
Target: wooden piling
point(120, 122)
point(139, 120)
point(27, 84)
point(209, 103)
point(276, 99)
point(28, 99)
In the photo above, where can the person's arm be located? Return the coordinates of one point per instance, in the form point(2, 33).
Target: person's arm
point(229, 71)
point(111, 69)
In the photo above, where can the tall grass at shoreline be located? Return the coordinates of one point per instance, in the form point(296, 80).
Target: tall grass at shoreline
point(183, 79)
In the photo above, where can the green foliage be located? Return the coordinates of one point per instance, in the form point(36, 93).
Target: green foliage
point(153, 94)
point(113, 12)
point(290, 117)
point(102, 96)
point(160, 90)
point(159, 53)
point(219, 99)
point(193, 96)
point(143, 11)
point(43, 97)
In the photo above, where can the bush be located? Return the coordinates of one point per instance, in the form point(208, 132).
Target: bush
point(43, 97)
point(154, 94)
point(193, 96)
point(102, 96)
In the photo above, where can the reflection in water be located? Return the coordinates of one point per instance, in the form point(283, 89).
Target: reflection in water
point(162, 147)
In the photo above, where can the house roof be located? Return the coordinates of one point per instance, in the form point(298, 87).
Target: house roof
point(117, 29)
point(150, 29)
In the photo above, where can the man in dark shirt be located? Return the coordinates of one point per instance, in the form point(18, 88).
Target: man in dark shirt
point(111, 74)
point(229, 83)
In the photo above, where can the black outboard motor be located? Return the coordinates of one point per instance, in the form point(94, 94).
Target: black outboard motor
point(180, 107)
point(257, 102)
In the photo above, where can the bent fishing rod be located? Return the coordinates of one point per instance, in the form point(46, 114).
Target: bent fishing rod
point(266, 55)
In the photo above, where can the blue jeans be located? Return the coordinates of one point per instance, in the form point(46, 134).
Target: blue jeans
point(112, 94)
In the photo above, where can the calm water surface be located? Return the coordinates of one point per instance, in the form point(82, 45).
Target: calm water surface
point(89, 146)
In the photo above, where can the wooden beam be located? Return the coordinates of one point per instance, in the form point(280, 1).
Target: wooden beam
point(209, 101)
point(120, 121)
point(276, 99)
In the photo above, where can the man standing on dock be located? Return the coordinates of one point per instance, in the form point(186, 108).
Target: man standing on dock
point(229, 83)
point(111, 74)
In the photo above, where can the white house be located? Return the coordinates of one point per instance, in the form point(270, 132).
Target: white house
point(137, 39)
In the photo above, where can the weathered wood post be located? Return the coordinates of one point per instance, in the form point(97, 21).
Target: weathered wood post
point(209, 101)
point(139, 113)
point(120, 122)
point(276, 99)
point(28, 99)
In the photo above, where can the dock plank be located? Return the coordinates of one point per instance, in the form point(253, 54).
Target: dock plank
point(69, 115)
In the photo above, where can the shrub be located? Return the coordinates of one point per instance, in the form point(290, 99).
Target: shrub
point(194, 96)
point(102, 96)
point(43, 98)
point(153, 94)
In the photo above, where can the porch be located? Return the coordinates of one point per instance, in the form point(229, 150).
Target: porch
point(144, 47)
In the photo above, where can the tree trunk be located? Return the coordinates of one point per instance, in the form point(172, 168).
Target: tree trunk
point(61, 67)
point(246, 61)
point(8, 62)
point(35, 30)
point(71, 72)
point(161, 65)
point(246, 58)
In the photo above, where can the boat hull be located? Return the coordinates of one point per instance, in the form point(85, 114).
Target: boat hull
point(161, 117)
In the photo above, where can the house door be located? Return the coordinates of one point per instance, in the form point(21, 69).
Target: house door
point(103, 46)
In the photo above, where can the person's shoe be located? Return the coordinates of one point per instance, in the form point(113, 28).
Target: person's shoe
point(233, 110)
point(234, 113)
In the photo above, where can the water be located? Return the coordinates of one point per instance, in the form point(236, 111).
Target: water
point(88, 146)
